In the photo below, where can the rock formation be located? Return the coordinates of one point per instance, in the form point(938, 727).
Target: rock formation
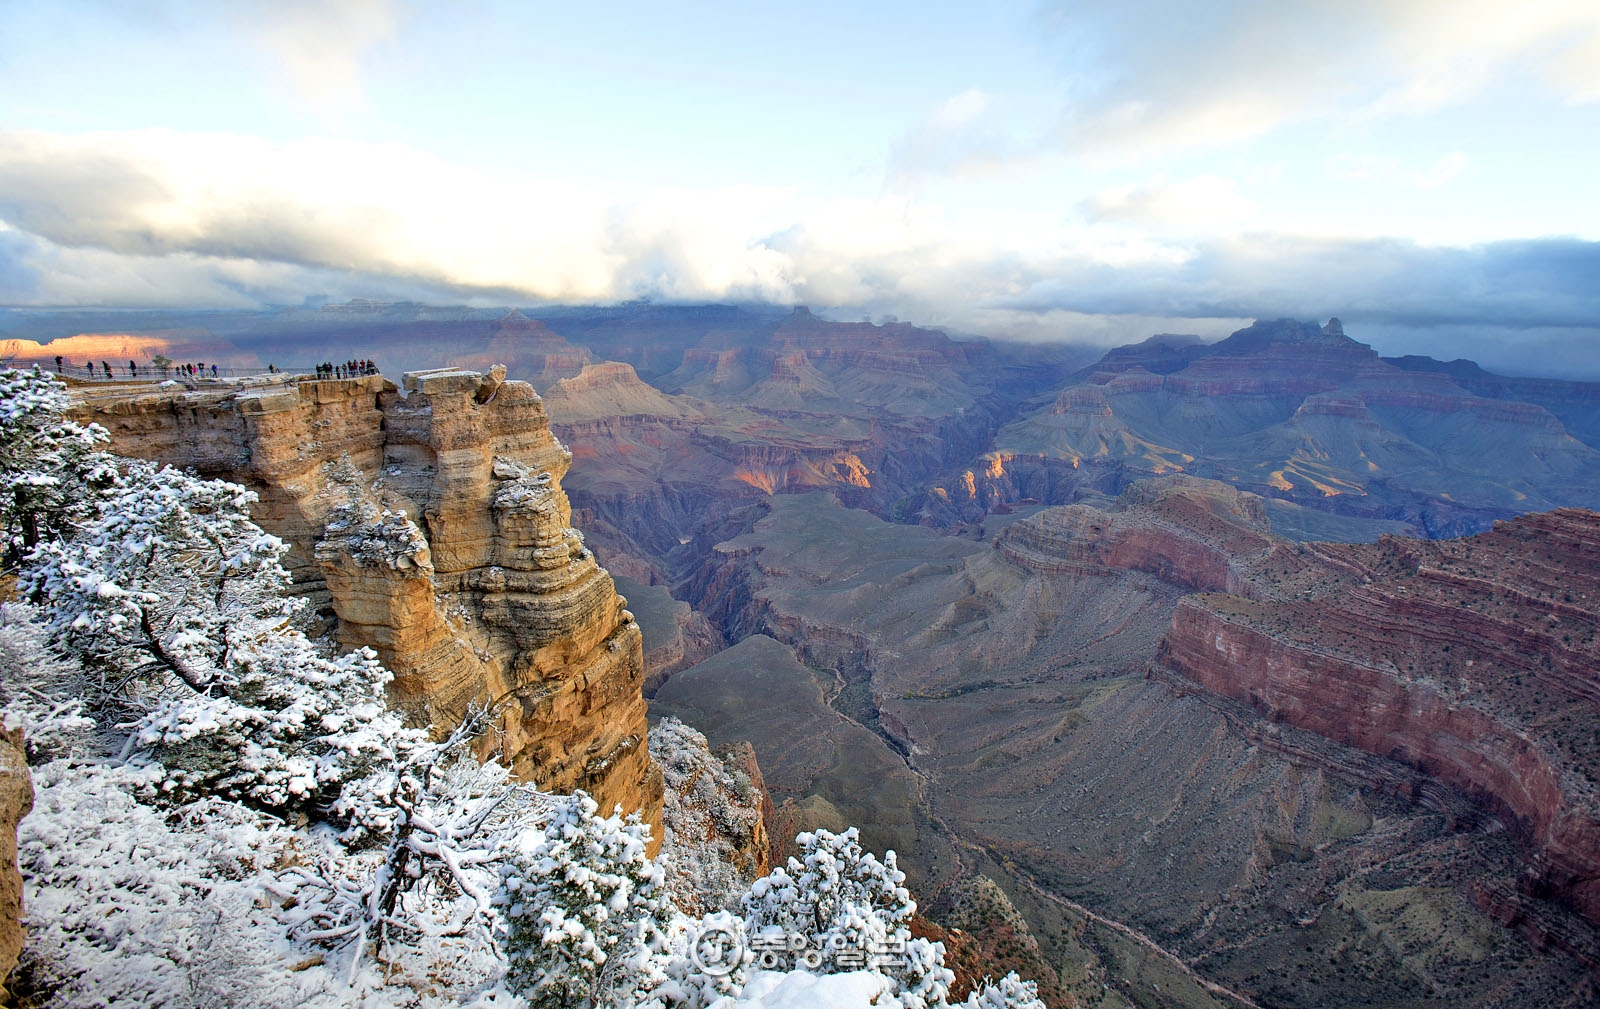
point(1197, 534)
point(434, 528)
point(1474, 660)
point(716, 817)
point(1299, 414)
point(16, 799)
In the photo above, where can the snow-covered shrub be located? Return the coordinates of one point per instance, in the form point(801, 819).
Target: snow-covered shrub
point(1010, 992)
point(53, 467)
point(127, 908)
point(425, 905)
point(41, 692)
point(158, 584)
point(296, 730)
point(584, 906)
point(849, 905)
point(711, 820)
point(149, 906)
point(175, 599)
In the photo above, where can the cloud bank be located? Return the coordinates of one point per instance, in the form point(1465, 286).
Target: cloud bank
point(159, 218)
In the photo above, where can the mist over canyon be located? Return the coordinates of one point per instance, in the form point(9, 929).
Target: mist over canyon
point(1254, 672)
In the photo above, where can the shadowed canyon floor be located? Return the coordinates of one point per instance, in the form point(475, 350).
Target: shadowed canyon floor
point(1020, 706)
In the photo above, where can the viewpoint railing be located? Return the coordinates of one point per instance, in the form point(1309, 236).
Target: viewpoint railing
point(177, 372)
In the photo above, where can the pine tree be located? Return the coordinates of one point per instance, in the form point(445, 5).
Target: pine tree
point(175, 601)
point(53, 467)
point(584, 906)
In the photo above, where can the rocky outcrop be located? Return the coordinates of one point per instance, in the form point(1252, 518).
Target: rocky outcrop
point(716, 817)
point(611, 389)
point(1473, 660)
point(433, 527)
point(530, 347)
point(16, 800)
point(1196, 534)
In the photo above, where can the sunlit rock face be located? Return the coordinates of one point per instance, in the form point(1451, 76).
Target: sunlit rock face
point(433, 527)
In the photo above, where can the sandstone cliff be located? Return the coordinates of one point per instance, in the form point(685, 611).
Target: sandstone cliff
point(16, 799)
point(433, 527)
point(1473, 660)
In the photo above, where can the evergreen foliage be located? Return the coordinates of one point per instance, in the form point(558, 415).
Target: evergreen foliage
point(228, 813)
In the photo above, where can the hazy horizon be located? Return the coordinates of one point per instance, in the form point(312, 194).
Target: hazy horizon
point(1034, 170)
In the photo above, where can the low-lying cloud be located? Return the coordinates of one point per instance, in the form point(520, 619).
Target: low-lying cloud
point(172, 219)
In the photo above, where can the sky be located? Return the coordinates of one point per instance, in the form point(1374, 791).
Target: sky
point(1088, 172)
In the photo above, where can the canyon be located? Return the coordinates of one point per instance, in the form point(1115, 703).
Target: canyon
point(1151, 661)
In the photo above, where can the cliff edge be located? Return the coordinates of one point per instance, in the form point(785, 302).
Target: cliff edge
point(431, 526)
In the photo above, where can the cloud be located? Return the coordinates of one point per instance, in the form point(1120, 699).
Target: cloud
point(1147, 78)
point(161, 218)
point(1443, 171)
point(1520, 284)
point(962, 137)
point(320, 44)
point(1206, 201)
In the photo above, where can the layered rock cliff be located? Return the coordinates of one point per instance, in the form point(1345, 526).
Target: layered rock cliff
point(432, 527)
point(1474, 660)
point(16, 800)
point(1197, 534)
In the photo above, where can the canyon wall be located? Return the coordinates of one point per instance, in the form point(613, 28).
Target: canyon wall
point(432, 526)
point(1473, 660)
point(1192, 533)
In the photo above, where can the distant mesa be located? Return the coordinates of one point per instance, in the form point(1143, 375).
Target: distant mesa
point(1305, 414)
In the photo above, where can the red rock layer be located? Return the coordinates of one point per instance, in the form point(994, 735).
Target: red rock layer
point(1475, 660)
point(1189, 532)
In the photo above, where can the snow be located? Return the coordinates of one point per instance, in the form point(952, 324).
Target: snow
point(225, 809)
point(799, 989)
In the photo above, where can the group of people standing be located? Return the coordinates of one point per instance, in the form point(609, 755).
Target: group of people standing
point(195, 370)
point(329, 369)
point(349, 369)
